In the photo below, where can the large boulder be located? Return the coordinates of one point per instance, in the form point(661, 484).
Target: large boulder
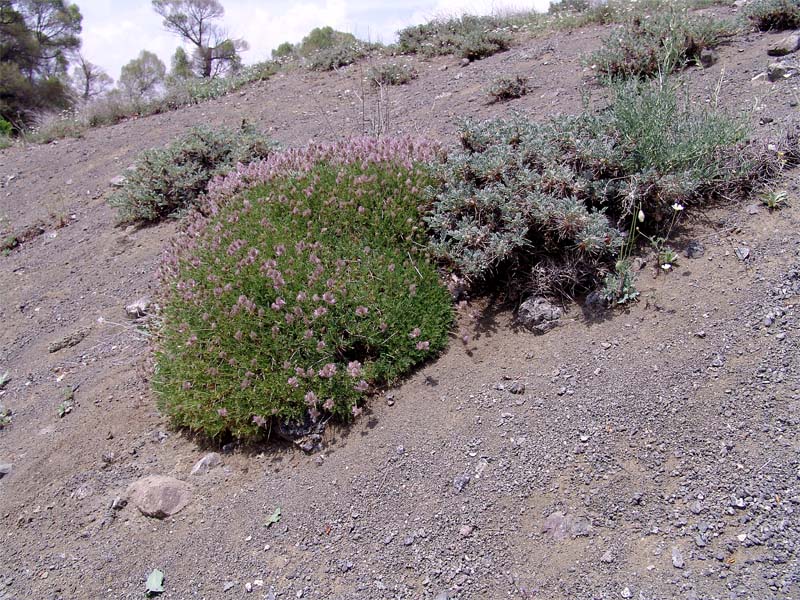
point(159, 496)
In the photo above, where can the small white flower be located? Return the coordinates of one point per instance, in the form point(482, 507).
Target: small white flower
point(677, 207)
point(641, 216)
point(666, 266)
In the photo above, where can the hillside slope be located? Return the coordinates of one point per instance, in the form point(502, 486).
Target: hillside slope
point(653, 453)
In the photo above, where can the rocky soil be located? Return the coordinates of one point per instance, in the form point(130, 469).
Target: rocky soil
point(645, 453)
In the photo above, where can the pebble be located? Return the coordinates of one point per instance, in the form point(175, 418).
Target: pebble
point(607, 558)
point(466, 530)
point(517, 388)
point(460, 482)
point(205, 464)
point(228, 586)
point(626, 593)
point(248, 587)
point(5, 469)
point(677, 558)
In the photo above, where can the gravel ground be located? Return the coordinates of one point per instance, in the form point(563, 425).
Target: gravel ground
point(646, 453)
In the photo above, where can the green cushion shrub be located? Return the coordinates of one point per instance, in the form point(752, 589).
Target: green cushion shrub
point(305, 286)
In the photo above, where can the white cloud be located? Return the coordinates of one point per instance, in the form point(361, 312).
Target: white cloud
point(115, 31)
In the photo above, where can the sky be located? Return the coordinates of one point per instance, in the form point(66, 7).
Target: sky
point(115, 31)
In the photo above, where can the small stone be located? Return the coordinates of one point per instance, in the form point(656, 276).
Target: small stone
point(699, 541)
point(73, 339)
point(626, 593)
point(460, 482)
point(608, 557)
point(781, 336)
point(738, 503)
point(248, 587)
point(776, 71)
point(707, 57)
point(465, 62)
point(701, 334)
point(695, 249)
point(205, 464)
point(741, 537)
point(408, 540)
point(743, 252)
point(465, 531)
point(538, 315)
point(517, 388)
point(228, 586)
point(442, 596)
point(677, 558)
point(605, 345)
point(118, 181)
point(118, 503)
point(159, 496)
point(752, 209)
point(5, 469)
point(138, 309)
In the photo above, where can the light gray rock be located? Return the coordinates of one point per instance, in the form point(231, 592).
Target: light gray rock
point(138, 309)
point(118, 181)
point(538, 315)
point(777, 71)
point(677, 558)
point(159, 496)
point(787, 45)
point(5, 469)
point(205, 464)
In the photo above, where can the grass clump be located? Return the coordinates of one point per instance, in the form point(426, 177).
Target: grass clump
point(467, 36)
point(659, 43)
point(171, 180)
point(550, 207)
point(390, 74)
point(304, 287)
point(774, 15)
point(508, 87)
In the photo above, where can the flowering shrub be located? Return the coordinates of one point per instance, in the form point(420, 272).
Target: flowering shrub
point(173, 178)
point(548, 206)
point(301, 287)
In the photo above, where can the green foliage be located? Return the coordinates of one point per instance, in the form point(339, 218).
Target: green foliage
point(775, 200)
point(660, 43)
point(507, 87)
point(390, 74)
point(324, 38)
point(6, 130)
point(172, 179)
point(544, 206)
point(619, 286)
point(142, 78)
point(467, 36)
point(298, 296)
point(774, 15)
point(36, 40)
point(284, 50)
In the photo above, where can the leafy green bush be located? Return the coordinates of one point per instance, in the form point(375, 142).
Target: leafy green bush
point(507, 87)
point(547, 206)
point(663, 42)
point(5, 128)
point(467, 36)
point(303, 288)
point(172, 179)
point(774, 15)
point(390, 74)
